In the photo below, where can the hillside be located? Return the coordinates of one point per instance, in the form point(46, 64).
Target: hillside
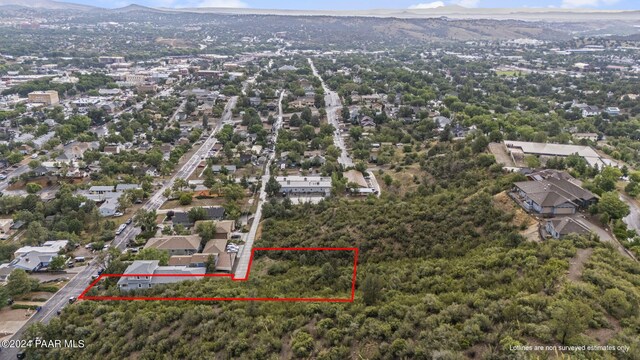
point(443, 274)
point(346, 29)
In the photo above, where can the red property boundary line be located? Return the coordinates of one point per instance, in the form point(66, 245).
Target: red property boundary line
point(83, 296)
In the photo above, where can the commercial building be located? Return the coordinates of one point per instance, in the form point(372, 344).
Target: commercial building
point(293, 185)
point(49, 97)
point(517, 149)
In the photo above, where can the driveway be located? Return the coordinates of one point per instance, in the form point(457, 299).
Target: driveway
point(604, 235)
point(633, 219)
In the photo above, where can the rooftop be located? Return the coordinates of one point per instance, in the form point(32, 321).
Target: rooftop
point(589, 154)
point(174, 242)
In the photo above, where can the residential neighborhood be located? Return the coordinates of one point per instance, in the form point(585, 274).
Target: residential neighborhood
point(455, 179)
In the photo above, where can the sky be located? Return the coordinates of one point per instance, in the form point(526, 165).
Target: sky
point(370, 4)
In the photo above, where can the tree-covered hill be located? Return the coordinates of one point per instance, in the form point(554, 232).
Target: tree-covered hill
point(443, 274)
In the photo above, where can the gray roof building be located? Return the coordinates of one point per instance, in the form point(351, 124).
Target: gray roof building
point(553, 196)
point(559, 228)
point(124, 187)
point(144, 274)
point(212, 213)
point(304, 184)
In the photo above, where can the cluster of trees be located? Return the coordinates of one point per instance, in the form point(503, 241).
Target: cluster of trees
point(442, 272)
point(86, 82)
point(67, 216)
point(525, 109)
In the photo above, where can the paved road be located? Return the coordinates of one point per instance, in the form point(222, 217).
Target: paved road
point(333, 104)
point(14, 174)
point(374, 183)
point(59, 300)
point(242, 268)
point(83, 278)
point(80, 282)
point(158, 198)
point(25, 168)
point(633, 219)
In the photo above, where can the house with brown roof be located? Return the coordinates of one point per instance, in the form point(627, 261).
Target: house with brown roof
point(224, 228)
point(224, 259)
point(195, 260)
point(112, 149)
point(175, 245)
point(215, 246)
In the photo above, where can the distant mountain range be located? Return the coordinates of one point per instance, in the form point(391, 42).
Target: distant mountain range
point(454, 12)
point(47, 4)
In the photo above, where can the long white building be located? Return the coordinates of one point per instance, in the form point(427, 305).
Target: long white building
point(561, 150)
point(304, 185)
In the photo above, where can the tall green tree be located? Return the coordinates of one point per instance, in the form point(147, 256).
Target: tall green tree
point(20, 283)
point(206, 230)
point(57, 263)
point(4, 296)
point(154, 254)
point(272, 187)
point(371, 289)
point(146, 220)
point(569, 319)
point(611, 205)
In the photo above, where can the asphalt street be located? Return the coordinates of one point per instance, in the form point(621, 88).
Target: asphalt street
point(243, 261)
point(332, 105)
point(83, 278)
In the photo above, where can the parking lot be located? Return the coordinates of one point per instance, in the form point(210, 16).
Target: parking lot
point(12, 320)
point(310, 199)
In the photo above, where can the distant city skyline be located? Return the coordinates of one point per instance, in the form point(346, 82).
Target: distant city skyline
point(371, 4)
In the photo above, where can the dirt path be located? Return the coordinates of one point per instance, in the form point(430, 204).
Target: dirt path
point(603, 335)
point(577, 264)
point(499, 151)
